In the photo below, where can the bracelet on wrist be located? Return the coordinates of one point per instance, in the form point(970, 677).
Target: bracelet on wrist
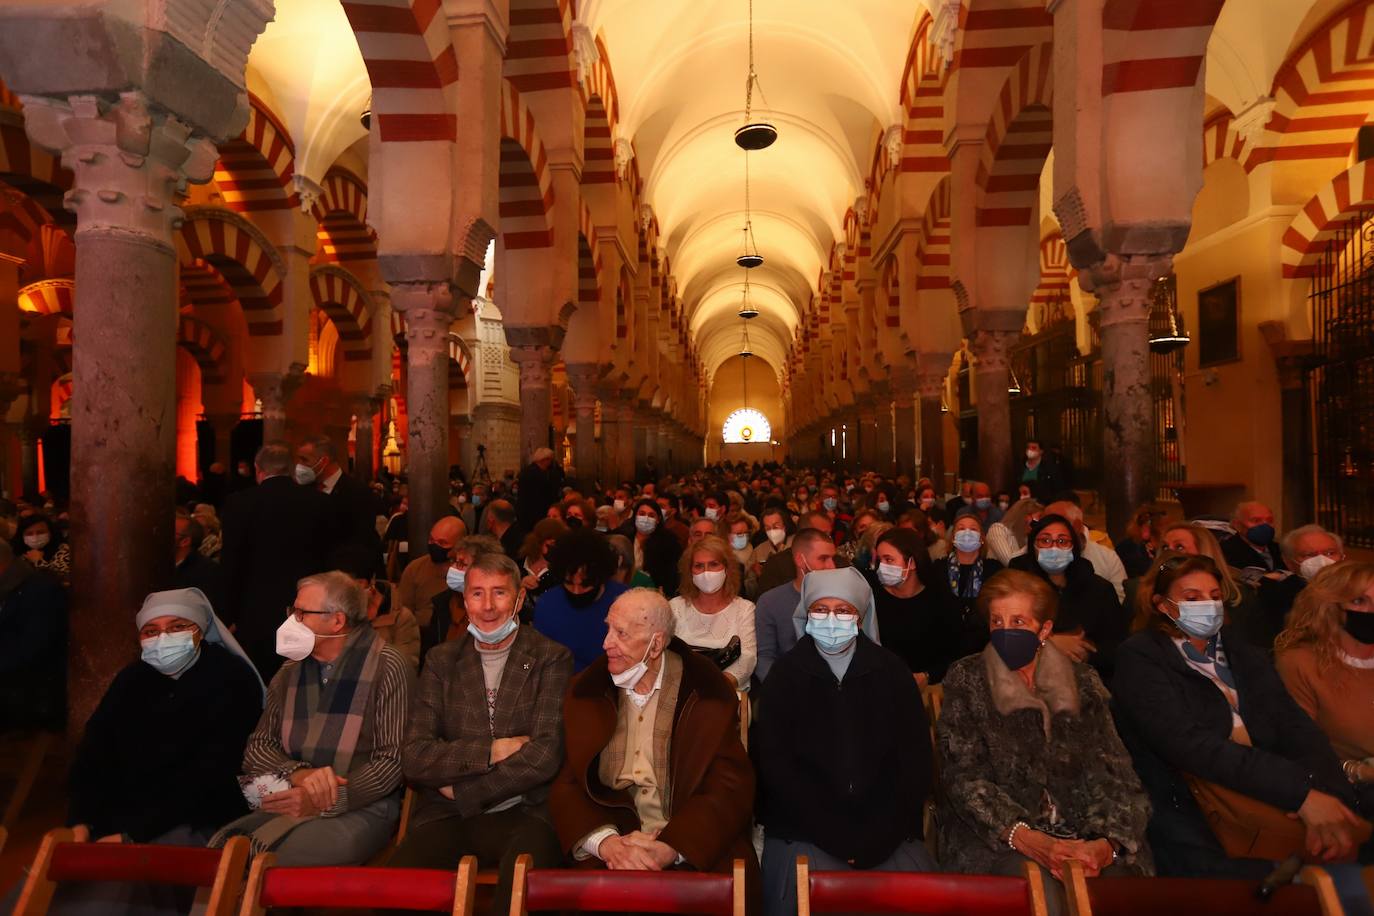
point(1351, 769)
point(1011, 834)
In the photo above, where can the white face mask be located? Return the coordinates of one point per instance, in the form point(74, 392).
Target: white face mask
point(712, 513)
point(305, 475)
point(619, 505)
point(1309, 568)
point(626, 679)
point(37, 540)
point(295, 640)
point(776, 535)
point(709, 582)
point(890, 574)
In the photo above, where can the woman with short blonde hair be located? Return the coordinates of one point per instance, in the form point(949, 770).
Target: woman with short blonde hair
point(710, 615)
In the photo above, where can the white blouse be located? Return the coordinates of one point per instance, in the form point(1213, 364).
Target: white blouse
point(712, 631)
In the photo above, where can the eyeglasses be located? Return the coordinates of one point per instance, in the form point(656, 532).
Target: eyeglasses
point(181, 626)
point(842, 614)
point(1062, 541)
point(299, 612)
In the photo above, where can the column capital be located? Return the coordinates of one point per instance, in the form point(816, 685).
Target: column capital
point(535, 363)
point(992, 348)
point(583, 377)
point(429, 309)
point(1123, 283)
point(129, 158)
point(275, 389)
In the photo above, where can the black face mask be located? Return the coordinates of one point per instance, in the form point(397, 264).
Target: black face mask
point(585, 599)
point(572, 521)
point(437, 553)
point(1360, 625)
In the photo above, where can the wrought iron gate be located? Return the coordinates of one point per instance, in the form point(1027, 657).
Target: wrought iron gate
point(1340, 383)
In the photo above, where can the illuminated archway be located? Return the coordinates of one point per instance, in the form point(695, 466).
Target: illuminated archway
point(747, 425)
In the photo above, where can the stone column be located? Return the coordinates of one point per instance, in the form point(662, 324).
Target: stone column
point(274, 389)
point(930, 389)
point(365, 409)
point(429, 312)
point(583, 377)
point(625, 442)
point(609, 450)
point(536, 403)
point(129, 157)
point(868, 418)
point(223, 424)
point(11, 462)
point(883, 447)
point(991, 373)
point(1123, 289)
point(644, 425)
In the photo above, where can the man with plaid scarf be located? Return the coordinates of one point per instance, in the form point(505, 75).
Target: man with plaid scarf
point(331, 731)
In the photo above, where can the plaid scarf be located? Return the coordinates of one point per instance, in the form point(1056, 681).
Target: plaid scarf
point(321, 722)
point(975, 579)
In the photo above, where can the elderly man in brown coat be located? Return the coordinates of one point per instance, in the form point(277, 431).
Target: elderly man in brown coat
point(485, 737)
point(655, 776)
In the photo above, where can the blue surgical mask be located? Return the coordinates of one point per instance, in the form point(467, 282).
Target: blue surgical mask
point(170, 653)
point(967, 540)
point(455, 578)
point(830, 503)
point(645, 524)
point(1201, 619)
point(831, 635)
point(891, 575)
point(476, 499)
point(739, 541)
point(497, 635)
point(1260, 535)
point(982, 502)
point(1054, 559)
point(884, 506)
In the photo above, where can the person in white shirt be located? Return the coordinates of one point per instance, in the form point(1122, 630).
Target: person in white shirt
point(709, 613)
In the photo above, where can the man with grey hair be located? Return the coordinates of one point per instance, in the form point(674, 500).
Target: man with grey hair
point(655, 774)
point(274, 534)
point(354, 505)
point(1306, 551)
point(540, 485)
point(486, 736)
point(323, 766)
point(1254, 546)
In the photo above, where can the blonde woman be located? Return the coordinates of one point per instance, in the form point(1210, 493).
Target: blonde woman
point(1007, 538)
point(1325, 656)
point(1242, 605)
point(710, 615)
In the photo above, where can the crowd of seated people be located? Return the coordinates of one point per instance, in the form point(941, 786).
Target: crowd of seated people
point(970, 685)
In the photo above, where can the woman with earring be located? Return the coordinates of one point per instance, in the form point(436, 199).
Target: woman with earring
point(1031, 764)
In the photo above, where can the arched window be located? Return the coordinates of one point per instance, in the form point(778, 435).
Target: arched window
point(747, 426)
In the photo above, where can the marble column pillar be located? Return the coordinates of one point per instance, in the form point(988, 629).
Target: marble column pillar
point(625, 446)
point(930, 390)
point(128, 158)
point(536, 402)
point(644, 425)
point(1123, 288)
point(583, 377)
point(868, 443)
point(609, 449)
point(364, 462)
point(883, 446)
point(991, 374)
point(429, 312)
point(274, 389)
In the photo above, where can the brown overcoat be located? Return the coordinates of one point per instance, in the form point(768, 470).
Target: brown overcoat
point(711, 780)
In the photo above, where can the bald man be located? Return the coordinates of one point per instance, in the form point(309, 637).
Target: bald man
point(423, 577)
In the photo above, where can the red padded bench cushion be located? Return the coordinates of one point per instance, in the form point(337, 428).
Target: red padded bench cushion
point(427, 889)
point(641, 892)
point(185, 866)
point(915, 892)
point(1215, 897)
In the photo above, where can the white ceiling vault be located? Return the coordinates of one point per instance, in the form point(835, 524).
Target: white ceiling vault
point(831, 75)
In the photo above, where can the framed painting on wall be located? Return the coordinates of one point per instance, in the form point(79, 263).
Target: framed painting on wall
point(1218, 323)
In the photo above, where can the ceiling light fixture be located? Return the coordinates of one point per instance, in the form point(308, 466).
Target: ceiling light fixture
point(758, 134)
point(746, 308)
point(1166, 324)
point(366, 116)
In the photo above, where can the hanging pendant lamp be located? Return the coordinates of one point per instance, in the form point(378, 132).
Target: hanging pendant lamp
point(758, 134)
point(746, 307)
point(1166, 324)
point(749, 258)
point(744, 351)
point(366, 117)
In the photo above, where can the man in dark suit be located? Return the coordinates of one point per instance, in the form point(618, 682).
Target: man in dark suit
point(1254, 545)
point(500, 522)
point(485, 738)
point(540, 486)
point(275, 534)
point(192, 570)
point(353, 502)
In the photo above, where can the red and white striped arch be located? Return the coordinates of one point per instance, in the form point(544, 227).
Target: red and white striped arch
point(539, 52)
point(33, 172)
point(1323, 92)
point(254, 169)
point(239, 253)
point(1019, 137)
point(48, 297)
point(1317, 222)
point(202, 285)
point(923, 90)
point(933, 251)
point(205, 346)
point(998, 33)
point(341, 212)
point(1056, 276)
point(525, 183)
point(892, 292)
point(410, 62)
point(459, 362)
point(1221, 140)
point(339, 295)
point(601, 85)
point(1150, 45)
